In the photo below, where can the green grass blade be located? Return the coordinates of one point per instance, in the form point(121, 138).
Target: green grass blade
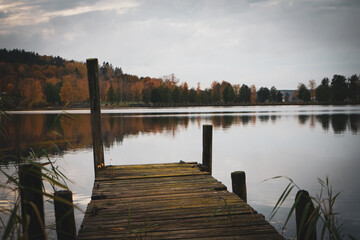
point(11, 224)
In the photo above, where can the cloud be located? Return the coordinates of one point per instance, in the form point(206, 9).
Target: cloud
point(278, 42)
point(23, 13)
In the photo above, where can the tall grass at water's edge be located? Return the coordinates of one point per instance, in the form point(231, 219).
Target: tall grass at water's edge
point(322, 215)
point(12, 222)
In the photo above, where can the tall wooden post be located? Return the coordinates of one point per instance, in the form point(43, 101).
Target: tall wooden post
point(32, 203)
point(94, 94)
point(207, 147)
point(239, 184)
point(306, 229)
point(64, 215)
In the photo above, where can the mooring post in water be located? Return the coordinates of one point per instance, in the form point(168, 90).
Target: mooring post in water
point(94, 94)
point(305, 216)
point(64, 215)
point(207, 147)
point(238, 180)
point(32, 203)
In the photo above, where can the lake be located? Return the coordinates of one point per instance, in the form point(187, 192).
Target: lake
point(300, 142)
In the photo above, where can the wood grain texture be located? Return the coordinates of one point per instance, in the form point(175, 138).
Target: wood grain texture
point(168, 201)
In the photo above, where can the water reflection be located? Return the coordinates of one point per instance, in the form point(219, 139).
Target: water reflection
point(39, 131)
point(303, 119)
point(340, 123)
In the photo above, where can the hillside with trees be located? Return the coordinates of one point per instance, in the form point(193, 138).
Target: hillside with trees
point(29, 80)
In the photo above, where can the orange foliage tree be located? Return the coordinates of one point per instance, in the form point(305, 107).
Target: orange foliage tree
point(253, 94)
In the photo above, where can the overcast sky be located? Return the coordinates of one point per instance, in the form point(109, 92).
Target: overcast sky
point(261, 42)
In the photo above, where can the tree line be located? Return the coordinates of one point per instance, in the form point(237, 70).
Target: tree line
point(29, 80)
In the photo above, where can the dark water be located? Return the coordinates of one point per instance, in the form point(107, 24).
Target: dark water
point(300, 142)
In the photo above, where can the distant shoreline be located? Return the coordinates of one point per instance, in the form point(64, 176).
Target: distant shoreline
point(160, 106)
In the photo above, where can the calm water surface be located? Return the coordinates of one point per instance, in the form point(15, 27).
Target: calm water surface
point(300, 142)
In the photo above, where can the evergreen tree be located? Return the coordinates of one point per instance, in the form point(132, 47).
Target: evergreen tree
point(176, 98)
point(323, 91)
point(228, 94)
point(263, 94)
point(52, 93)
point(304, 93)
point(279, 97)
point(354, 88)
point(111, 95)
point(338, 88)
point(192, 95)
point(244, 94)
point(273, 94)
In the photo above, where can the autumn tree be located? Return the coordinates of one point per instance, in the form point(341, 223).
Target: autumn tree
point(236, 90)
point(81, 89)
point(149, 85)
point(253, 94)
point(136, 91)
point(171, 81)
point(28, 79)
point(184, 92)
point(66, 92)
point(312, 88)
point(215, 92)
point(198, 93)
point(35, 94)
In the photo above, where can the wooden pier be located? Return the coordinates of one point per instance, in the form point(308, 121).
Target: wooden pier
point(168, 201)
point(165, 201)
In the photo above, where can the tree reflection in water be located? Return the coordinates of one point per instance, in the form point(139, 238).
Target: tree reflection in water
point(38, 131)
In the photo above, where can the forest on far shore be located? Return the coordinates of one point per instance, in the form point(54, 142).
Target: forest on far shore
point(29, 80)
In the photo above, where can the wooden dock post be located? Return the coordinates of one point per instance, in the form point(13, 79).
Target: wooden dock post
point(238, 180)
point(207, 147)
point(64, 215)
point(94, 94)
point(32, 203)
point(306, 230)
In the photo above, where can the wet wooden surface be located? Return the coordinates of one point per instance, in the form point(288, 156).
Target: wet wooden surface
point(168, 201)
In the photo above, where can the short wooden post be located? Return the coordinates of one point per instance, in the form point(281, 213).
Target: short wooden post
point(32, 203)
point(64, 215)
point(304, 214)
point(207, 147)
point(94, 94)
point(238, 180)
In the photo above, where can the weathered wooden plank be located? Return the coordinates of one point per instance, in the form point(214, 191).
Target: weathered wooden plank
point(168, 201)
point(153, 165)
point(197, 222)
point(96, 213)
point(189, 233)
point(143, 176)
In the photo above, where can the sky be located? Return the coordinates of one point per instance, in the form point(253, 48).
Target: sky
point(267, 43)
